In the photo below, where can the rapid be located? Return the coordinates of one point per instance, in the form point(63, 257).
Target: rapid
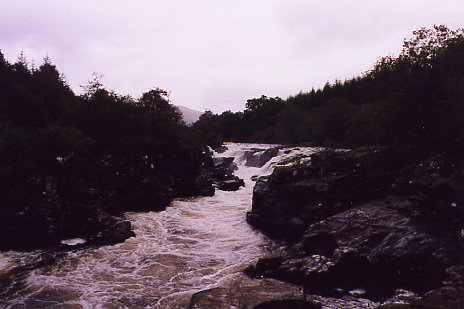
point(195, 244)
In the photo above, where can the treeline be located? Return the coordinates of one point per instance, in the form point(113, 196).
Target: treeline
point(66, 159)
point(415, 99)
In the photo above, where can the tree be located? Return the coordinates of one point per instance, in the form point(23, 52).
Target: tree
point(94, 84)
point(157, 101)
point(263, 101)
point(428, 43)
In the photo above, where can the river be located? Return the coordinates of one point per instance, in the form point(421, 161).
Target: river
point(196, 244)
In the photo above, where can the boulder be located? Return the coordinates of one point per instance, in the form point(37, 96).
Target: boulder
point(93, 225)
point(231, 185)
point(221, 149)
point(114, 233)
point(223, 174)
point(224, 167)
point(247, 296)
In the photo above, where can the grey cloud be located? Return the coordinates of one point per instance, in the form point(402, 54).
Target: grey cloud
point(215, 54)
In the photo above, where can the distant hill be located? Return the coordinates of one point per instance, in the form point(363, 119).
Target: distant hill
point(190, 115)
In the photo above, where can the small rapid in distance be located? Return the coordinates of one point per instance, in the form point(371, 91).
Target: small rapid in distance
point(195, 244)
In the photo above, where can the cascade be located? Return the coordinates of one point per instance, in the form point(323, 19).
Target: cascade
point(195, 244)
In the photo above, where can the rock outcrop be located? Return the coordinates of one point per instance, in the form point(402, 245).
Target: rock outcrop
point(290, 199)
point(364, 222)
point(223, 175)
point(259, 157)
point(262, 294)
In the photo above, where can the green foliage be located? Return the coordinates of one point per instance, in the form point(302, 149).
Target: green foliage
point(414, 99)
point(209, 129)
point(53, 140)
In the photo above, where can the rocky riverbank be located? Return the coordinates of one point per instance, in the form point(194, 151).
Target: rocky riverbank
point(73, 203)
point(366, 223)
point(196, 243)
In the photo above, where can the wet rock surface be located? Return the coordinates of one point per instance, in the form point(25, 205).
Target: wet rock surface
point(288, 304)
point(245, 297)
point(259, 157)
point(451, 297)
point(292, 198)
point(272, 294)
point(364, 223)
point(376, 246)
point(231, 184)
point(223, 175)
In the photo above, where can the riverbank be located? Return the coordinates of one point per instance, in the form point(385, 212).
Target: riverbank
point(366, 223)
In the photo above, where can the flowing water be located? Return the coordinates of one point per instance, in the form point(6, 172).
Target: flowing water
point(194, 245)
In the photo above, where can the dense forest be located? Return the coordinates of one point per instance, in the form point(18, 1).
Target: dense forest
point(415, 99)
point(69, 159)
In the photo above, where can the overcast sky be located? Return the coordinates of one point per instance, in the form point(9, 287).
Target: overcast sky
point(215, 54)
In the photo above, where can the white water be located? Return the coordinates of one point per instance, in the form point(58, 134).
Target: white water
point(194, 245)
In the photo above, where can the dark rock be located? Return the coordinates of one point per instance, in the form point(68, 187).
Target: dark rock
point(95, 226)
point(115, 233)
point(322, 243)
point(226, 163)
point(292, 198)
point(369, 220)
point(376, 246)
point(259, 157)
point(288, 304)
point(224, 167)
point(439, 183)
point(401, 306)
point(449, 297)
point(224, 178)
point(221, 149)
point(455, 275)
point(231, 185)
point(246, 296)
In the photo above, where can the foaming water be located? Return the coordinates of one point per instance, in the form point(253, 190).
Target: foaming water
point(195, 244)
